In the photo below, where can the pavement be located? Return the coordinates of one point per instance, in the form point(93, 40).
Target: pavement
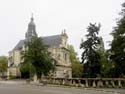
point(21, 87)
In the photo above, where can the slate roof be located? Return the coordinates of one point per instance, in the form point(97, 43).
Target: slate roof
point(51, 41)
point(19, 45)
point(54, 40)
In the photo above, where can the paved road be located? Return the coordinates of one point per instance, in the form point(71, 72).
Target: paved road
point(14, 88)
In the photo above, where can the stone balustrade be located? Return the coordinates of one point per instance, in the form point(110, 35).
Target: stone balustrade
point(89, 82)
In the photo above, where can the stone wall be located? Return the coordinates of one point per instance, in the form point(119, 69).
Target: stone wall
point(14, 72)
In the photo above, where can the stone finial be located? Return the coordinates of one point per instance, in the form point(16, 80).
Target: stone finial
point(32, 17)
point(63, 31)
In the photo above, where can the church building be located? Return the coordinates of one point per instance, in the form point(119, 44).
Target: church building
point(57, 47)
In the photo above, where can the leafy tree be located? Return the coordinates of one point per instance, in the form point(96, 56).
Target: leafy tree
point(27, 70)
point(105, 70)
point(77, 68)
point(106, 65)
point(3, 64)
point(118, 46)
point(36, 53)
point(90, 56)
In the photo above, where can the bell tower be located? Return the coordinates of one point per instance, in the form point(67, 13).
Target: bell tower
point(31, 31)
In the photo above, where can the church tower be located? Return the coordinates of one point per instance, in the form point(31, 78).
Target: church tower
point(31, 31)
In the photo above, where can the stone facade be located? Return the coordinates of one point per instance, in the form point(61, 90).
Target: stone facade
point(57, 46)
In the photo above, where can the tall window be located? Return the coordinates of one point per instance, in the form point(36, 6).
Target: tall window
point(65, 56)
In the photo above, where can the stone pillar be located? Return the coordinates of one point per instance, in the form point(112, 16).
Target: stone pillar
point(54, 81)
point(82, 85)
point(107, 83)
point(93, 84)
point(79, 82)
point(8, 73)
point(74, 82)
point(35, 78)
point(98, 83)
point(70, 82)
point(64, 81)
point(101, 82)
point(57, 82)
point(61, 81)
point(119, 83)
point(113, 83)
point(86, 83)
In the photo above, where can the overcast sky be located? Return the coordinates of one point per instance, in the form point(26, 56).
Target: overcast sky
point(51, 16)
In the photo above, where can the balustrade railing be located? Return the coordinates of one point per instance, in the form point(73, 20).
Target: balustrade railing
point(89, 82)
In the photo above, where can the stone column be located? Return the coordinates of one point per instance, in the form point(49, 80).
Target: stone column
point(64, 81)
point(82, 85)
point(54, 81)
point(8, 73)
point(107, 83)
point(79, 82)
point(61, 81)
point(57, 82)
point(93, 84)
point(98, 83)
point(74, 82)
point(113, 83)
point(35, 78)
point(101, 83)
point(70, 82)
point(86, 83)
point(119, 83)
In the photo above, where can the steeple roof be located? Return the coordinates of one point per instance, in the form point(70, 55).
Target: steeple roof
point(31, 22)
point(31, 32)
